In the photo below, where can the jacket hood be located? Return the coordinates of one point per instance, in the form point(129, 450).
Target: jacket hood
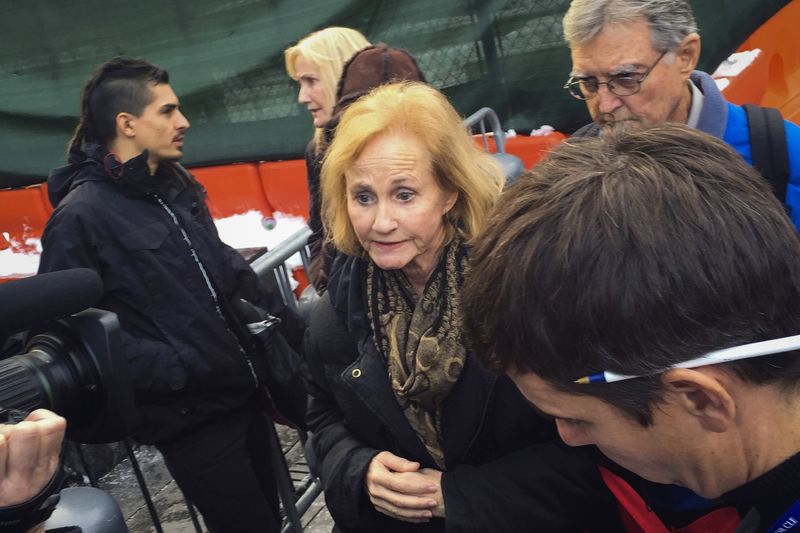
point(367, 69)
point(61, 180)
point(94, 163)
point(371, 67)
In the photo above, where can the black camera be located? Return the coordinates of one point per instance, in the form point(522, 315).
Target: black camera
point(71, 361)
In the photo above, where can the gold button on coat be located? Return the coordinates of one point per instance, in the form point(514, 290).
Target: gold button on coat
point(356, 373)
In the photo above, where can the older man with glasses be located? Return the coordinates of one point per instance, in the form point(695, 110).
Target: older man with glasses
point(633, 63)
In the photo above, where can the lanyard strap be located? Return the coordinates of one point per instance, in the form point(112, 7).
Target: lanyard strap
point(788, 521)
point(638, 518)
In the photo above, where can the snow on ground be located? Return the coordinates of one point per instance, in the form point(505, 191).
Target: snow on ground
point(19, 260)
point(249, 230)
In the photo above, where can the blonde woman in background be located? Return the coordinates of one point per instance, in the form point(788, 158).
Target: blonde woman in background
point(316, 62)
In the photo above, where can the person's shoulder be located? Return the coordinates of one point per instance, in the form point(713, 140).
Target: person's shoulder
point(328, 339)
point(792, 132)
point(324, 320)
point(589, 130)
point(88, 200)
point(737, 117)
point(737, 134)
point(793, 147)
point(311, 150)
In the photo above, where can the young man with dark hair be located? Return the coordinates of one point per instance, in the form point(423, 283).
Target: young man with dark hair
point(126, 209)
point(615, 281)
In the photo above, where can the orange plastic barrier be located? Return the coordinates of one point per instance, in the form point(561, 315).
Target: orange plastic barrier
point(233, 189)
point(750, 86)
point(286, 186)
point(301, 276)
point(530, 149)
point(773, 79)
point(23, 215)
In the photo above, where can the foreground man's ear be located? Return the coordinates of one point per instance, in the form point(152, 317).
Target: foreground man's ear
point(703, 396)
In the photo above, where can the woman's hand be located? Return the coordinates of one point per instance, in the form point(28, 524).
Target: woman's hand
point(435, 477)
point(29, 455)
point(397, 489)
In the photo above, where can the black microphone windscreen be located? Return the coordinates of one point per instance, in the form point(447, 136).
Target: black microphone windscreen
point(28, 302)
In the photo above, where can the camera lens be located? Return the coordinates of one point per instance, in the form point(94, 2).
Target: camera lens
point(52, 375)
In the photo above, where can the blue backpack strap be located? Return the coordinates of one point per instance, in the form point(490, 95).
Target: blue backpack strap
point(768, 146)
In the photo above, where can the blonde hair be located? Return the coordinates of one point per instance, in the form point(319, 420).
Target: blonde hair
point(420, 110)
point(329, 50)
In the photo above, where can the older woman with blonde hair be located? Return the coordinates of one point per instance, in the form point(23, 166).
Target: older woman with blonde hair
point(410, 433)
point(316, 62)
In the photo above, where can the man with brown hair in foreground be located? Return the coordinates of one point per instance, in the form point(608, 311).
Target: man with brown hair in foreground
point(614, 282)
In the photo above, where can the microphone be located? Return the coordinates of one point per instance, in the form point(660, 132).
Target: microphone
point(38, 299)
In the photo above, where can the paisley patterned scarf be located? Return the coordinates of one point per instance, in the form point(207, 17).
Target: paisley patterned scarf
point(421, 341)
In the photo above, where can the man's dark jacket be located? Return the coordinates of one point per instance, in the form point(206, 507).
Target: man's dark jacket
point(497, 477)
point(185, 361)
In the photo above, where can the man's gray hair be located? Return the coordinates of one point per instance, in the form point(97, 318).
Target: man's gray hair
point(670, 20)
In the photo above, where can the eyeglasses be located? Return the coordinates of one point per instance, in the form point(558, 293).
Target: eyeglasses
point(621, 85)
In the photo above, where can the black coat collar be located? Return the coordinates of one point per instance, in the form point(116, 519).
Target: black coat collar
point(95, 163)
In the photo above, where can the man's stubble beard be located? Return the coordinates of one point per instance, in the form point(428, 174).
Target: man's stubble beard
point(607, 123)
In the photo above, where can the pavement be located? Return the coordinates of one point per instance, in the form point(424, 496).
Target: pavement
point(168, 501)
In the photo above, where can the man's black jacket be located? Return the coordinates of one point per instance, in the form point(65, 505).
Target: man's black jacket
point(168, 277)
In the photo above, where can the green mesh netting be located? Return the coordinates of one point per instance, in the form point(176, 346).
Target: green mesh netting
point(225, 61)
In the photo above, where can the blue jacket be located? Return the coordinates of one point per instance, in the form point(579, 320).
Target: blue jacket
point(728, 122)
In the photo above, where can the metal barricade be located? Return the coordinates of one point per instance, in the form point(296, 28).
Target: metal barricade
point(295, 502)
point(513, 167)
point(275, 261)
point(479, 119)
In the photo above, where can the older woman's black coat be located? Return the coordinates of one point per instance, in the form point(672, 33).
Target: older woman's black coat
point(506, 468)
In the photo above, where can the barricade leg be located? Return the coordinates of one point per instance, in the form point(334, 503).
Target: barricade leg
point(284, 482)
point(151, 508)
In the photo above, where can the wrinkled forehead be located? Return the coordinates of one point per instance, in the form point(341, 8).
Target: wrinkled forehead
point(618, 48)
point(390, 152)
